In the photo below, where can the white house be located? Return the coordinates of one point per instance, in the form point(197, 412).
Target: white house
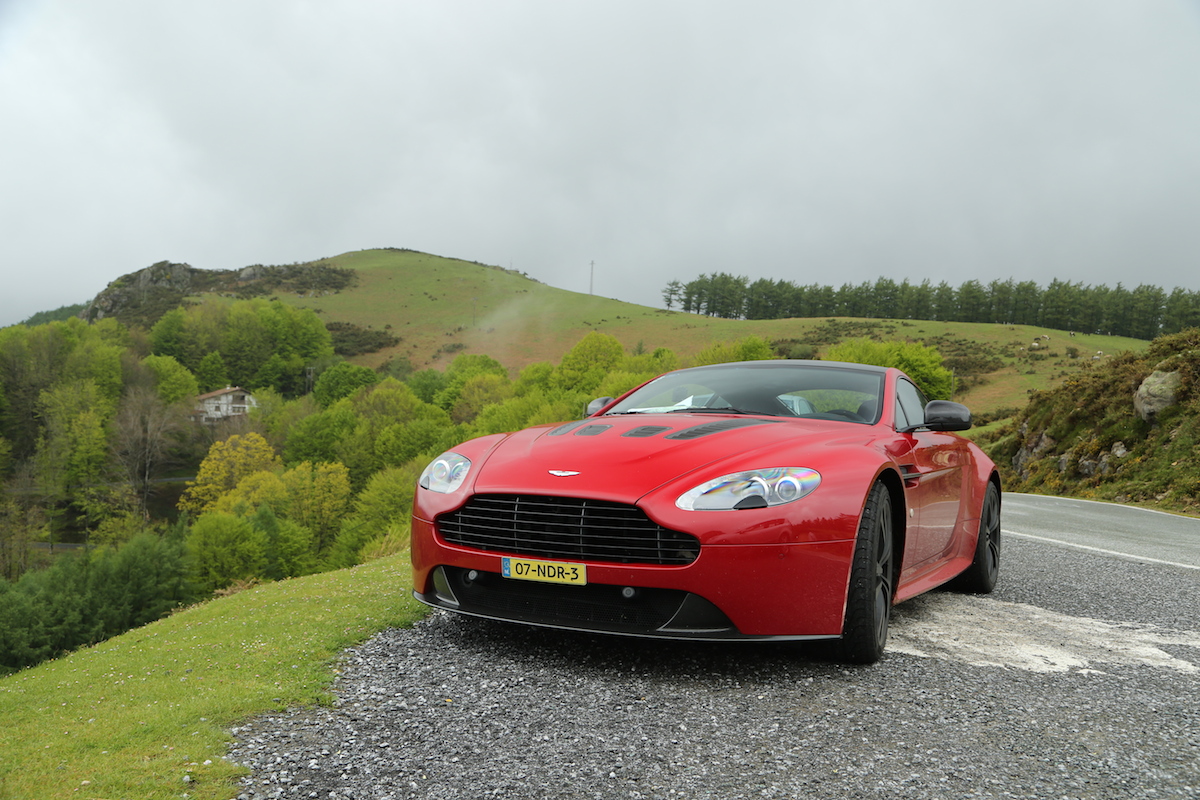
point(232, 401)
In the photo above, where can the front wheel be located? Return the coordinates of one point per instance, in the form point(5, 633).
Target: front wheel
point(872, 582)
point(980, 577)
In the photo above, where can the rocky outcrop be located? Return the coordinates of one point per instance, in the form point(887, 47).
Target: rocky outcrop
point(161, 285)
point(1156, 393)
point(141, 297)
point(1031, 451)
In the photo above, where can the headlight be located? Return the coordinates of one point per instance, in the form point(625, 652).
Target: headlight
point(446, 473)
point(756, 488)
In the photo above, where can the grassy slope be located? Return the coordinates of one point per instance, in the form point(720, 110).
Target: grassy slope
point(434, 302)
point(131, 717)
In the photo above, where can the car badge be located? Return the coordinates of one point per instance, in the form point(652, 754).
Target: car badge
point(563, 473)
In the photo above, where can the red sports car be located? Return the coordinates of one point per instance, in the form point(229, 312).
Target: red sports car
point(761, 500)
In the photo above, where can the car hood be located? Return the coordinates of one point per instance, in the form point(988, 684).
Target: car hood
point(622, 458)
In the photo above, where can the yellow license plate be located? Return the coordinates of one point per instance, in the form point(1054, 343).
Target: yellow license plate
point(526, 569)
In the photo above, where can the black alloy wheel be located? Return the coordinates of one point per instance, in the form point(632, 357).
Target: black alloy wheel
point(872, 581)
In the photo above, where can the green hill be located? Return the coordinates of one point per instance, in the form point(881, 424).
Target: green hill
point(439, 307)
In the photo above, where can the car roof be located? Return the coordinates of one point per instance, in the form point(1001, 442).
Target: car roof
point(796, 362)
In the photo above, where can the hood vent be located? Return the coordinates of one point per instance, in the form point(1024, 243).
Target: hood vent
point(563, 430)
point(592, 430)
point(646, 431)
point(718, 426)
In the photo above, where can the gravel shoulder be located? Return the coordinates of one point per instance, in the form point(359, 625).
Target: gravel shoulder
point(464, 708)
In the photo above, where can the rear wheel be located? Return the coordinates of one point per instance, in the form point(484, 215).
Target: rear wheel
point(980, 577)
point(872, 582)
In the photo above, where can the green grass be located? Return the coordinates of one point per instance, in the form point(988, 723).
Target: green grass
point(147, 714)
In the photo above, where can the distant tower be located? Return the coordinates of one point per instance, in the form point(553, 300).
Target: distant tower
point(592, 280)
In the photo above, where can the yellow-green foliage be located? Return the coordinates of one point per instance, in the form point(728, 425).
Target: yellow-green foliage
point(750, 348)
point(227, 463)
point(922, 364)
point(136, 715)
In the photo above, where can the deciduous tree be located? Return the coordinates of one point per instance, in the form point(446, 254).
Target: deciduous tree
point(225, 465)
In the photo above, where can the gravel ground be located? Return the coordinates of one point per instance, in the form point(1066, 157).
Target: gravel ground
point(459, 708)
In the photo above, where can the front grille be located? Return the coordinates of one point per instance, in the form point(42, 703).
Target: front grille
point(566, 527)
point(595, 606)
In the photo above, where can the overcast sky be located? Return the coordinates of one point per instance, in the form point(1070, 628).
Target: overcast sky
point(825, 142)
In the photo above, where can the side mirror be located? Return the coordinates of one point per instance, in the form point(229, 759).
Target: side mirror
point(943, 415)
point(597, 405)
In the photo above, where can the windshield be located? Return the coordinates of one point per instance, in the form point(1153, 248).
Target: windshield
point(777, 389)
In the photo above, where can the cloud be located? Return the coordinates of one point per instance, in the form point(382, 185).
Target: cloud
point(818, 142)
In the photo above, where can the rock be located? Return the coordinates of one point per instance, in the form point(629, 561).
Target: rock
point(1157, 392)
point(1029, 453)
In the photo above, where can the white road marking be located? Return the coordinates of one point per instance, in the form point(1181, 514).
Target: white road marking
point(1117, 553)
point(987, 632)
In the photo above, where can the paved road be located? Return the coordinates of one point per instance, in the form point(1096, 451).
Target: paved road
point(1126, 531)
point(1078, 679)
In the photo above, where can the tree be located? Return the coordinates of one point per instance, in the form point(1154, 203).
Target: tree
point(147, 436)
point(386, 500)
point(400, 443)
point(426, 384)
point(225, 465)
point(479, 391)
point(672, 294)
point(167, 335)
point(1146, 311)
point(973, 304)
point(319, 498)
point(172, 380)
point(1000, 301)
point(726, 296)
point(921, 363)
point(750, 348)
point(290, 550)
point(225, 549)
point(945, 302)
point(342, 380)
point(246, 343)
point(262, 489)
point(463, 369)
point(31, 361)
point(586, 364)
point(319, 437)
point(211, 372)
point(73, 452)
point(21, 524)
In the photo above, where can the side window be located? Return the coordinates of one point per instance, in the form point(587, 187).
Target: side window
point(910, 405)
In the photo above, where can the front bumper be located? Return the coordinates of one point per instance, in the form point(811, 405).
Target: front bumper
point(730, 592)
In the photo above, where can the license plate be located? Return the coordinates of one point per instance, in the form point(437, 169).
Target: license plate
point(526, 569)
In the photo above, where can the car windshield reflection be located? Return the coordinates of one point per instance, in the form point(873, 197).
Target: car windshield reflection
point(768, 388)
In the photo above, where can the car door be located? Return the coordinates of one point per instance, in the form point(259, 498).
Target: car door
point(932, 466)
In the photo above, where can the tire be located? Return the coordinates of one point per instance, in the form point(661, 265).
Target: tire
point(980, 577)
point(872, 582)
